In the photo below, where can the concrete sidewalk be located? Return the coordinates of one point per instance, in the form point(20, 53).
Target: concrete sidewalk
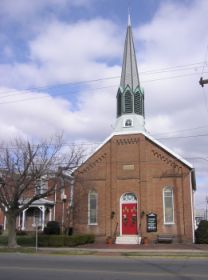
point(177, 250)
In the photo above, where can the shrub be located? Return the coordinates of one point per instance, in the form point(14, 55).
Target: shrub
point(52, 228)
point(43, 240)
point(51, 240)
point(26, 240)
point(56, 241)
point(202, 233)
point(21, 232)
point(70, 241)
point(3, 240)
point(76, 240)
point(1, 229)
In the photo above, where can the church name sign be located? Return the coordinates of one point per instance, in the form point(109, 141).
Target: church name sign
point(151, 222)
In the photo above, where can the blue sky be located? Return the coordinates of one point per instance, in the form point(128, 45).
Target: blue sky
point(50, 46)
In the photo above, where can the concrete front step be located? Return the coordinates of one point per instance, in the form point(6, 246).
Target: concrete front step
point(128, 239)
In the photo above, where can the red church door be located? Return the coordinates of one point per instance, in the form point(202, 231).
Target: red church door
point(129, 218)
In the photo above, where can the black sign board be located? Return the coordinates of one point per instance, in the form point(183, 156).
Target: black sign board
point(151, 222)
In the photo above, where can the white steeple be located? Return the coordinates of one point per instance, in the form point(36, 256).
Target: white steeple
point(130, 96)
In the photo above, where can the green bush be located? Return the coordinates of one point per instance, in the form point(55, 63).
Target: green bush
point(26, 240)
point(3, 240)
point(70, 241)
point(52, 228)
point(1, 229)
point(201, 233)
point(43, 240)
point(51, 240)
point(21, 240)
point(21, 232)
point(76, 240)
point(56, 240)
point(90, 238)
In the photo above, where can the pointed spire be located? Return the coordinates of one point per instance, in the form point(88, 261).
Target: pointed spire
point(129, 75)
point(129, 17)
point(130, 96)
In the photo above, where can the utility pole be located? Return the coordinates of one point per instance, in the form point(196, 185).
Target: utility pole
point(202, 82)
point(206, 207)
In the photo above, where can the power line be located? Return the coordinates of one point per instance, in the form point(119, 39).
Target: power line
point(74, 144)
point(175, 68)
point(170, 78)
point(57, 85)
point(181, 130)
point(49, 96)
point(73, 84)
point(183, 137)
point(205, 60)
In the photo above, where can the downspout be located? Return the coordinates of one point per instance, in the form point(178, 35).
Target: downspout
point(63, 202)
point(192, 188)
point(71, 201)
point(54, 209)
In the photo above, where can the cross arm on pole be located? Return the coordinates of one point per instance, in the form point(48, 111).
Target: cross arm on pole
point(202, 82)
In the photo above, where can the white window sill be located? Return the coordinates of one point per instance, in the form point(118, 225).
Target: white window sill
point(169, 224)
point(93, 224)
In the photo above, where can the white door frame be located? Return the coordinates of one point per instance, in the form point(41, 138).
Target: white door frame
point(130, 200)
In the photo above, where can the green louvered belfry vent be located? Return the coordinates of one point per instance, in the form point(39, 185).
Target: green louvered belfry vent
point(128, 102)
point(119, 104)
point(139, 102)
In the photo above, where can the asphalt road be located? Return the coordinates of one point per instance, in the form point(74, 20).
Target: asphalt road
point(44, 267)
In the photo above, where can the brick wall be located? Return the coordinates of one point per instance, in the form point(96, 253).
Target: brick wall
point(133, 163)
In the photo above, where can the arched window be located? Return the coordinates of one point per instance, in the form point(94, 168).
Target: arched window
point(168, 205)
point(128, 102)
point(92, 208)
point(128, 123)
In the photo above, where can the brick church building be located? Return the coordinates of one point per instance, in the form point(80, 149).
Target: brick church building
point(133, 186)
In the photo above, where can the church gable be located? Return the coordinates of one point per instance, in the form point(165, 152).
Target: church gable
point(164, 164)
point(95, 166)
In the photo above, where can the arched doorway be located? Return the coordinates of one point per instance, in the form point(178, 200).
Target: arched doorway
point(129, 214)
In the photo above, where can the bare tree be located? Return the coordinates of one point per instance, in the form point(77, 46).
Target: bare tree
point(21, 165)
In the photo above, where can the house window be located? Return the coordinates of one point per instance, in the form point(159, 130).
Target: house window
point(41, 186)
point(168, 207)
point(92, 208)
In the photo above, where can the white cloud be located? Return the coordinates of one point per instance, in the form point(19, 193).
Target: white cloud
point(85, 50)
point(19, 10)
point(64, 52)
point(177, 35)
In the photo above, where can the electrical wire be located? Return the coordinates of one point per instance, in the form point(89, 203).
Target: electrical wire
point(73, 84)
point(203, 89)
point(147, 81)
point(181, 130)
point(74, 144)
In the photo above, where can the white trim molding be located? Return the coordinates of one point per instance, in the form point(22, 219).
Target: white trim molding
point(89, 208)
point(170, 190)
